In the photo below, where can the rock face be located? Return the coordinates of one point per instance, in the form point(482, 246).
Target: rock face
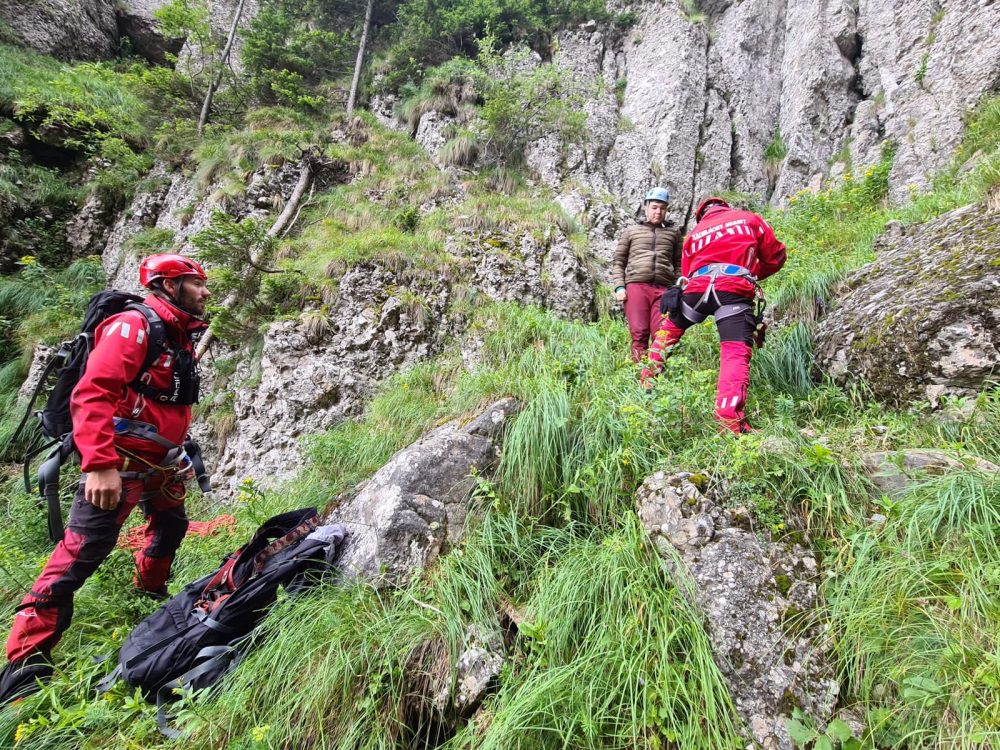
point(174, 202)
point(752, 595)
point(137, 22)
point(416, 505)
point(67, 29)
point(942, 336)
point(893, 472)
point(88, 230)
point(763, 96)
point(309, 381)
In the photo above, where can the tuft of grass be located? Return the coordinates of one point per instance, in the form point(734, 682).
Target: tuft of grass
point(915, 616)
point(461, 150)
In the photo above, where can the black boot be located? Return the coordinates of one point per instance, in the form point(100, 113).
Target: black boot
point(21, 678)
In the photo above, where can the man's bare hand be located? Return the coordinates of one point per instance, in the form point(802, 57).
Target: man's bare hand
point(620, 295)
point(103, 489)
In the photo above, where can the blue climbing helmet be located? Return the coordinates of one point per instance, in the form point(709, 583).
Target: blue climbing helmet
point(657, 194)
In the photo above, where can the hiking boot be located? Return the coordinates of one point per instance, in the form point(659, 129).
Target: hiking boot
point(21, 678)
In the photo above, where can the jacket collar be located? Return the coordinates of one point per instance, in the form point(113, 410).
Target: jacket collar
point(173, 317)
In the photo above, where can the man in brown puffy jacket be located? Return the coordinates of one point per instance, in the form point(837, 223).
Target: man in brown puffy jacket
point(646, 262)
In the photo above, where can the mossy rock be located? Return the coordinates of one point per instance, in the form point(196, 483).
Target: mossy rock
point(921, 321)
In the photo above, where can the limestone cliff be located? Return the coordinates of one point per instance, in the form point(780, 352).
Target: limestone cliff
point(768, 97)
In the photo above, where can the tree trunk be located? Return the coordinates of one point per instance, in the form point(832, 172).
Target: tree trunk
point(361, 56)
point(206, 106)
point(305, 176)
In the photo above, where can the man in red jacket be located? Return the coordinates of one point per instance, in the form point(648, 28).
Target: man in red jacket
point(726, 253)
point(128, 427)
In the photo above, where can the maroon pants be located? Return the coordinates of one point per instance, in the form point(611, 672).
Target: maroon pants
point(642, 311)
point(46, 611)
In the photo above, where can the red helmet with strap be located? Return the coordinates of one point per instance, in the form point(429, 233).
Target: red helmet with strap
point(168, 266)
point(706, 204)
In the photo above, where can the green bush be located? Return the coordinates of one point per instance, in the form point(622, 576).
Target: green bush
point(291, 47)
point(429, 32)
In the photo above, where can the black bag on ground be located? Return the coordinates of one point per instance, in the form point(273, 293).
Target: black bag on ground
point(196, 637)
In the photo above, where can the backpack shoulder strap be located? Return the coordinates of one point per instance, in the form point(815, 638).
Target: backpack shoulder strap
point(55, 360)
point(157, 332)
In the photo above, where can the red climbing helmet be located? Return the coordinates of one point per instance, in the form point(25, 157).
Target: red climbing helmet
point(706, 204)
point(168, 266)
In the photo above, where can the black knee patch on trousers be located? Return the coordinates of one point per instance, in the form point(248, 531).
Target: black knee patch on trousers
point(169, 528)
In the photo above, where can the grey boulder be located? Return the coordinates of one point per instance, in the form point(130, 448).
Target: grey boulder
point(923, 320)
point(754, 596)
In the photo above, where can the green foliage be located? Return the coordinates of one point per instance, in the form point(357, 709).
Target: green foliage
point(429, 32)
point(507, 101)
point(804, 733)
point(519, 107)
point(240, 253)
point(922, 68)
point(34, 203)
point(451, 88)
point(693, 12)
point(37, 303)
point(291, 47)
point(916, 618)
point(776, 150)
point(829, 233)
point(150, 241)
point(87, 101)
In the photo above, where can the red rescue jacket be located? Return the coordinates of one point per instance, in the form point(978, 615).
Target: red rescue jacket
point(728, 235)
point(120, 344)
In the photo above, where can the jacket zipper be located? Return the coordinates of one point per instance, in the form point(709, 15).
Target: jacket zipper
point(653, 280)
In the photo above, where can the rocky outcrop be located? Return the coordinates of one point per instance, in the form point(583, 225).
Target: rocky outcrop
point(756, 598)
point(942, 336)
point(314, 373)
point(924, 64)
point(137, 22)
point(768, 96)
point(67, 29)
point(39, 359)
point(894, 472)
point(415, 506)
point(88, 230)
point(173, 201)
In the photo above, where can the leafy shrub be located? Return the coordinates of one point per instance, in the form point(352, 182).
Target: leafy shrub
point(290, 47)
point(429, 32)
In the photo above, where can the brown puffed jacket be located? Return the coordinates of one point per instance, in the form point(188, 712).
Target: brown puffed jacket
point(647, 254)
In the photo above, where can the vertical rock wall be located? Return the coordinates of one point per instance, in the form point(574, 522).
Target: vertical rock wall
point(691, 97)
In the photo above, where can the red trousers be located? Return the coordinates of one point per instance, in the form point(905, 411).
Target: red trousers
point(46, 611)
point(642, 311)
point(735, 341)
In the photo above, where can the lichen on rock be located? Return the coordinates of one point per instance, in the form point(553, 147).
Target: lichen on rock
point(758, 599)
point(921, 321)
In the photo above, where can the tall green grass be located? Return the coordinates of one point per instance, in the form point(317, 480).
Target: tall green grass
point(916, 618)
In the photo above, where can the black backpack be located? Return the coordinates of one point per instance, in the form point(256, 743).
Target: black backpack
point(54, 428)
point(199, 635)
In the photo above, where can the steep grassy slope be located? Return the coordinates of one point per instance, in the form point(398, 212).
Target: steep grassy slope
point(606, 653)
